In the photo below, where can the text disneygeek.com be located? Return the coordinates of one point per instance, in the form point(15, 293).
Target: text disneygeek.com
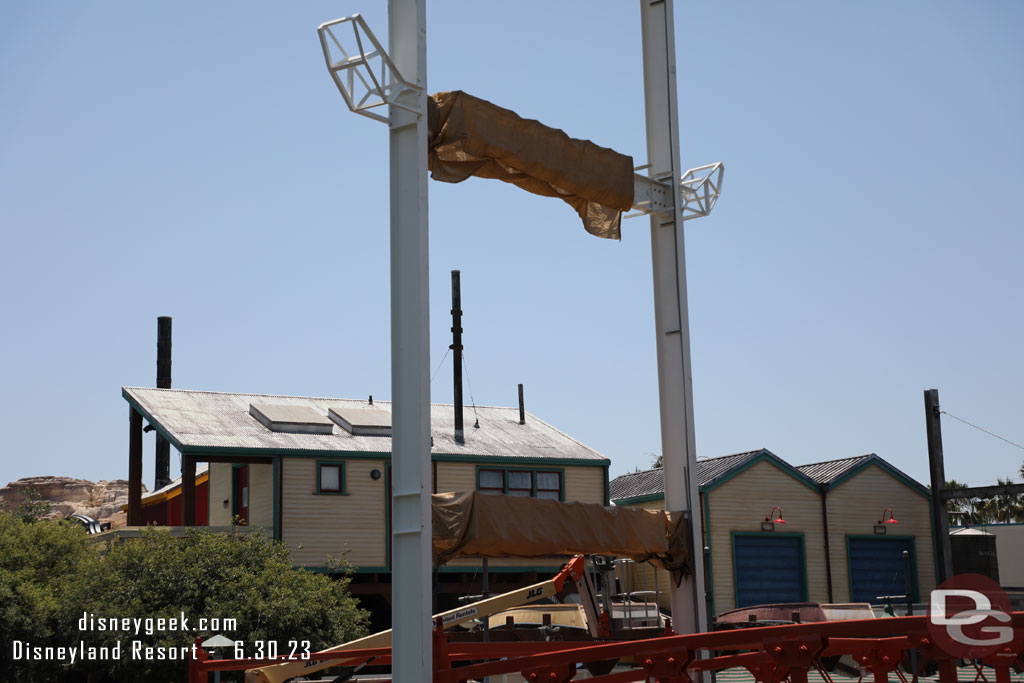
point(133, 649)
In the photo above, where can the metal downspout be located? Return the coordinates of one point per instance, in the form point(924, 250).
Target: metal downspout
point(823, 488)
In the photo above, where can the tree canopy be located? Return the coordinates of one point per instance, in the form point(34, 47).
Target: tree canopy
point(55, 579)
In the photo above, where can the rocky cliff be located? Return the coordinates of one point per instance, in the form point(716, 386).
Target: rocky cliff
point(101, 500)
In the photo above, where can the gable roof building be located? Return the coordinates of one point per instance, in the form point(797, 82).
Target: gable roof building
point(315, 472)
point(649, 485)
point(830, 531)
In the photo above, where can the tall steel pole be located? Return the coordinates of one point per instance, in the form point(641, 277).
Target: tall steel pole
point(675, 379)
point(410, 350)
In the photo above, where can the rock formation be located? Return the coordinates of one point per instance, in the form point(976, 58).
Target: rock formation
point(101, 500)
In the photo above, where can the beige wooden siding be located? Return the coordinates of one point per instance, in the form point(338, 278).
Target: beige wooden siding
point(742, 503)
point(856, 505)
point(456, 476)
point(261, 496)
point(317, 527)
point(585, 484)
point(220, 490)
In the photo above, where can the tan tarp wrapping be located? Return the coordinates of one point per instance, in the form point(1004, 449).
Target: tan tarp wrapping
point(477, 524)
point(472, 137)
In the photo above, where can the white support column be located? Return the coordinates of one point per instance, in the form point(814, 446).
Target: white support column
point(675, 379)
point(410, 351)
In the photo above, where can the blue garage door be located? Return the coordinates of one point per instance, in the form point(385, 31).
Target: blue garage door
point(876, 567)
point(768, 569)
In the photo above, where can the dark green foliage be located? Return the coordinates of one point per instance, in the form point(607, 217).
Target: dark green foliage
point(56, 574)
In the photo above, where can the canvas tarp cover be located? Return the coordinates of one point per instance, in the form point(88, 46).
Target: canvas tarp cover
point(472, 137)
point(478, 524)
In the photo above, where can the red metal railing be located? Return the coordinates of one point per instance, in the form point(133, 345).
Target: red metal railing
point(771, 654)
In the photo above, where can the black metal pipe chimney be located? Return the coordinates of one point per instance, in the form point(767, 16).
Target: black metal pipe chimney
point(456, 347)
point(522, 407)
point(163, 381)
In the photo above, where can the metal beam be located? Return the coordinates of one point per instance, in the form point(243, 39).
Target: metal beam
point(410, 348)
point(668, 255)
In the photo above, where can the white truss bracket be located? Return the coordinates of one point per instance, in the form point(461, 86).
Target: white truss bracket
point(699, 187)
point(364, 73)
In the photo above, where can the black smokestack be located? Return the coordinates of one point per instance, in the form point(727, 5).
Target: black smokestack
point(456, 347)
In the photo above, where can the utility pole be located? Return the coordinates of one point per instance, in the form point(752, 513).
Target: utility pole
point(940, 518)
point(668, 255)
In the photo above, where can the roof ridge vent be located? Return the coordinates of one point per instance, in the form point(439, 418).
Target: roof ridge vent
point(362, 421)
point(291, 418)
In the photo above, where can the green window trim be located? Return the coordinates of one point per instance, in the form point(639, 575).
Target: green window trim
point(320, 491)
point(505, 469)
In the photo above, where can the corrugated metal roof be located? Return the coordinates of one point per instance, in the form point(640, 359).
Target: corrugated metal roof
point(652, 482)
point(206, 420)
point(830, 470)
point(637, 484)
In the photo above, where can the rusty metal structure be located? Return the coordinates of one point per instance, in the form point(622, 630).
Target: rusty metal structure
point(881, 648)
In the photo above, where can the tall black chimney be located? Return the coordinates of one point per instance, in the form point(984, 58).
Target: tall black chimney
point(456, 346)
point(163, 381)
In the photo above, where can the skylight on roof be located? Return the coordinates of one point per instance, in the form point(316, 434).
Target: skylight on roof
point(362, 421)
point(291, 419)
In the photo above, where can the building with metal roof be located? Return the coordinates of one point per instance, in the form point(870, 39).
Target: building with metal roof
point(315, 472)
point(832, 531)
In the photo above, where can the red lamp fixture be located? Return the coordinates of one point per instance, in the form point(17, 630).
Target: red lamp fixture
point(769, 524)
point(885, 521)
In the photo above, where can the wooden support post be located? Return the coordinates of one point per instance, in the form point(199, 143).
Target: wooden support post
point(162, 475)
point(134, 467)
point(188, 489)
point(940, 519)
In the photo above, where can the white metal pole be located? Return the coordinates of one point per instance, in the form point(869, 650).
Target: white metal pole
point(410, 351)
point(675, 380)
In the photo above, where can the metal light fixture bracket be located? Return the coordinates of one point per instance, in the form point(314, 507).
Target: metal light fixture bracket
point(364, 73)
point(699, 188)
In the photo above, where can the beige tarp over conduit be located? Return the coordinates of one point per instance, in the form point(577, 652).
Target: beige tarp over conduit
point(472, 137)
point(492, 525)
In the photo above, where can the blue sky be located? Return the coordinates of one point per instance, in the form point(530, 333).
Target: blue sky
point(194, 160)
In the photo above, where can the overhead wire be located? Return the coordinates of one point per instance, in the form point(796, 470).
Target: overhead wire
point(440, 364)
point(472, 401)
point(980, 429)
